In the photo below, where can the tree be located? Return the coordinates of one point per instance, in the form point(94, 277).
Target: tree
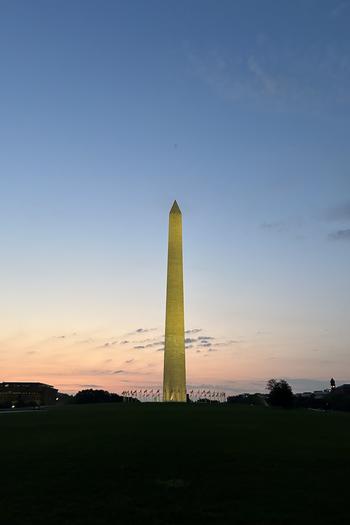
point(96, 396)
point(280, 393)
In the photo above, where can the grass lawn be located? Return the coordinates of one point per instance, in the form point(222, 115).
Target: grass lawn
point(167, 464)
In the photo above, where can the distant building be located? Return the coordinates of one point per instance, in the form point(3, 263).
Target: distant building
point(27, 394)
point(339, 398)
point(344, 389)
point(304, 394)
point(320, 394)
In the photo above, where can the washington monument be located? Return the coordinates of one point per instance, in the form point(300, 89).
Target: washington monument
point(174, 383)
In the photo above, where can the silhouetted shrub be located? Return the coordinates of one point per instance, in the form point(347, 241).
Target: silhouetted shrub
point(64, 399)
point(5, 405)
point(207, 400)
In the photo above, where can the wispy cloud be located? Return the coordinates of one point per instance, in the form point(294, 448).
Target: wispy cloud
point(139, 331)
point(219, 76)
point(65, 336)
point(155, 344)
point(340, 235)
point(339, 213)
point(268, 83)
point(91, 386)
point(133, 372)
point(229, 342)
point(278, 226)
point(84, 372)
point(277, 75)
point(294, 227)
point(339, 8)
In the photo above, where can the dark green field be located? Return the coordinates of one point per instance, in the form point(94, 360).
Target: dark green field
point(154, 463)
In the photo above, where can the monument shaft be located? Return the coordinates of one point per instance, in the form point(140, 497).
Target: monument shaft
point(174, 383)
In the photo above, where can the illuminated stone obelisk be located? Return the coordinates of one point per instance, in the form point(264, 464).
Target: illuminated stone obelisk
point(174, 382)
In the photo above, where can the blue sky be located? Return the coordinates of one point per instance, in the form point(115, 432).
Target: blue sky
point(111, 110)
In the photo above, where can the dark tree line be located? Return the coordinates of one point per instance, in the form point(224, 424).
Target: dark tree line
point(92, 396)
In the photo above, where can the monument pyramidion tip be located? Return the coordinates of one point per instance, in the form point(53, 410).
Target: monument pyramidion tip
point(175, 208)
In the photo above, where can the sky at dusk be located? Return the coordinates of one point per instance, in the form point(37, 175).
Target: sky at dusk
point(110, 110)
